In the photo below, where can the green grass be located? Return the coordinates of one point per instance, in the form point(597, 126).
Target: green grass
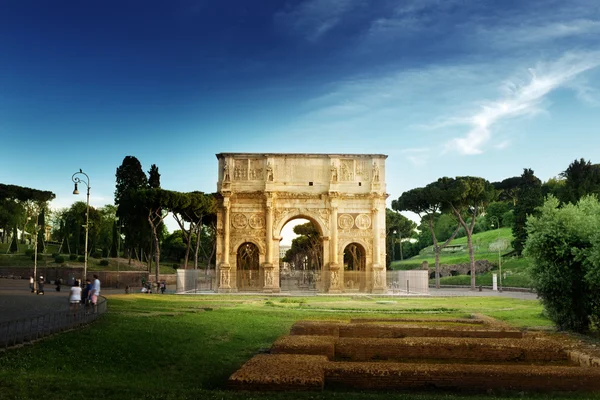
point(168, 347)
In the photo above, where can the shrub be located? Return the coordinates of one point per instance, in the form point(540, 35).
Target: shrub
point(72, 257)
point(54, 255)
point(81, 258)
point(565, 249)
point(96, 254)
point(175, 266)
point(104, 263)
point(59, 259)
point(29, 252)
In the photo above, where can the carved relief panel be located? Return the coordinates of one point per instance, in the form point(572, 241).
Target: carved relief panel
point(240, 170)
point(256, 171)
point(346, 170)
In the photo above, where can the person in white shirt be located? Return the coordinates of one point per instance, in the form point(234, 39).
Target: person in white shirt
point(74, 297)
point(95, 292)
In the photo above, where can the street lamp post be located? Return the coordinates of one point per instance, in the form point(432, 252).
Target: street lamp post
point(393, 245)
point(499, 249)
point(400, 242)
point(76, 180)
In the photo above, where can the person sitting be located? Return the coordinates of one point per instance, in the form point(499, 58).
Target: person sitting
point(74, 297)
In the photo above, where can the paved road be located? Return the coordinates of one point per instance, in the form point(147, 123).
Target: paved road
point(17, 301)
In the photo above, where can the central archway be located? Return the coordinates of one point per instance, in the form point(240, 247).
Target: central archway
point(301, 267)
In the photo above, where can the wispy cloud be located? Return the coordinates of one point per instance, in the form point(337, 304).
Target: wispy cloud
point(312, 19)
point(519, 99)
point(417, 156)
point(527, 33)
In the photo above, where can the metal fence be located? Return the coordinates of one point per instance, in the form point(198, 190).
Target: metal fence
point(408, 281)
point(26, 330)
point(196, 280)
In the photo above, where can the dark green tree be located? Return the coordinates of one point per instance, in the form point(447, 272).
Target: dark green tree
point(581, 178)
point(466, 197)
point(41, 231)
point(397, 226)
point(114, 248)
point(199, 213)
point(426, 203)
point(529, 197)
point(14, 245)
point(158, 203)
point(507, 189)
point(153, 177)
point(130, 177)
point(554, 186)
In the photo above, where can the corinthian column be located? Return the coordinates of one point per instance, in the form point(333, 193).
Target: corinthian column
point(334, 235)
point(226, 231)
point(269, 234)
point(376, 236)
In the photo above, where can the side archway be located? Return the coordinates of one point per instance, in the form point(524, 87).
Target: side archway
point(355, 267)
point(248, 267)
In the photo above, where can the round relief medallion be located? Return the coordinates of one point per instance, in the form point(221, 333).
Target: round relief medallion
point(363, 221)
point(239, 221)
point(345, 221)
point(257, 221)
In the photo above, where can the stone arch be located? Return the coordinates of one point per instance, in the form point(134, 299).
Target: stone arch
point(356, 279)
point(247, 239)
point(342, 195)
point(368, 248)
point(311, 276)
point(304, 214)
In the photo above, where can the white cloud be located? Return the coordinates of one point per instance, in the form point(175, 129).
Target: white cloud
point(312, 19)
point(520, 99)
point(529, 32)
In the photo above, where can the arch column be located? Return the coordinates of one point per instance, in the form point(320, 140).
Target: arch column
point(224, 275)
point(334, 279)
point(377, 278)
point(270, 275)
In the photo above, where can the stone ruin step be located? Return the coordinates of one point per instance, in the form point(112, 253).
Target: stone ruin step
point(374, 330)
point(282, 372)
point(472, 349)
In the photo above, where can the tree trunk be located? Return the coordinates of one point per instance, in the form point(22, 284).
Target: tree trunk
point(471, 258)
point(197, 249)
point(156, 253)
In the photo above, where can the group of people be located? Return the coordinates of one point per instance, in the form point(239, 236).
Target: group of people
point(86, 296)
point(40, 285)
point(147, 287)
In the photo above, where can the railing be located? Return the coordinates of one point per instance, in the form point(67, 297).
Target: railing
point(26, 330)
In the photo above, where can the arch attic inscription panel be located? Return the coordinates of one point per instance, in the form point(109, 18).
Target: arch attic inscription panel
point(343, 195)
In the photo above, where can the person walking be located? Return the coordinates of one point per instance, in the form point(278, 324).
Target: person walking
point(95, 292)
point(31, 286)
point(85, 294)
point(40, 289)
point(74, 297)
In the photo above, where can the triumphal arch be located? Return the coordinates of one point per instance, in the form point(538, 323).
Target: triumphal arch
point(343, 195)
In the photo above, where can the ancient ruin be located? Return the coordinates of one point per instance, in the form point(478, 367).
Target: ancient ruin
point(343, 195)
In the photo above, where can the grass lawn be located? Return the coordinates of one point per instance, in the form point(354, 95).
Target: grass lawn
point(170, 347)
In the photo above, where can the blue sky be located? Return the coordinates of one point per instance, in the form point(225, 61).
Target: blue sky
point(445, 88)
